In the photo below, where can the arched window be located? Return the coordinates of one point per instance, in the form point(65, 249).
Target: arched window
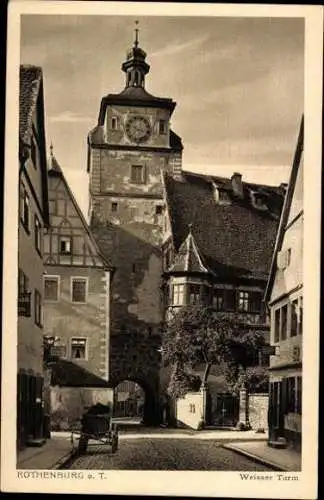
point(136, 78)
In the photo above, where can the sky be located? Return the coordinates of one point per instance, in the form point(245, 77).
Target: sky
point(238, 84)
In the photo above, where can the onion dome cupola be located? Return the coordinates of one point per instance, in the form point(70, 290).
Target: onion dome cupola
point(135, 66)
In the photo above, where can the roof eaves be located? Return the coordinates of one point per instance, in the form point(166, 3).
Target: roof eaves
point(286, 208)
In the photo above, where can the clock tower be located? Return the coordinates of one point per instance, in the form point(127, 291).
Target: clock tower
point(128, 150)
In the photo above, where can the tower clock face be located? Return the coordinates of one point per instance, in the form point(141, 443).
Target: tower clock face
point(138, 128)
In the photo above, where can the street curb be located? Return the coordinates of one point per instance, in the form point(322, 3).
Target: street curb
point(65, 460)
point(256, 458)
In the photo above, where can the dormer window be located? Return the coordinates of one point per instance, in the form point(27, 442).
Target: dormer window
point(258, 201)
point(220, 194)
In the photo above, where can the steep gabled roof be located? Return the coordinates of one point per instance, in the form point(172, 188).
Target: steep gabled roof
point(234, 239)
point(31, 99)
point(188, 258)
point(56, 171)
point(30, 82)
point(286, 208)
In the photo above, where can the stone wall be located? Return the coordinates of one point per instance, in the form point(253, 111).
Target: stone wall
point(190, 410)
point(258, 411)
point(68, 404)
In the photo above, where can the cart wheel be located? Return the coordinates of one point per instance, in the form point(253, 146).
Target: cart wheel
point(83, 443)
point(114, 444)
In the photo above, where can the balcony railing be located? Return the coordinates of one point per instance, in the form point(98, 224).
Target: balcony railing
point(24, 304)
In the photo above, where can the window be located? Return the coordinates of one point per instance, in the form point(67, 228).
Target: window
point(51, 288)
point(78, 348)
point(23, 282)
point(25, 210)
point(194, 294)
point(38, 308)
point(294, 318)
point(291, 394)
point(24, 295)
point(243, 301)
point(218, 299)
point(158, 209)
point(299, 395)
point(283, 328)
point(300, 329)
point(33, 152)
point(65, 245)
point(277, 325)
point(79, 290)
point(114, 123)
point(192, 408)
point(178, 298)
point(162, 127)
point(255, 302)
point(137, 174)
point(38, 234)
point(114, 206)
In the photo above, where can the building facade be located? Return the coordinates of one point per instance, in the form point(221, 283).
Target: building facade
point(218, 242)
point(33, 218)
point(77, 284)
point(127, 151)
point(284, 295)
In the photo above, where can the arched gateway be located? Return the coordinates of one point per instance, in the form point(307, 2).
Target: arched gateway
point(137, 359)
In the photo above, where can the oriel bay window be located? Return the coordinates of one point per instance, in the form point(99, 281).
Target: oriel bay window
point(178, 294)
point(194, 294)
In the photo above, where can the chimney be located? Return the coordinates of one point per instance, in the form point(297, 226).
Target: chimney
point(237, 185)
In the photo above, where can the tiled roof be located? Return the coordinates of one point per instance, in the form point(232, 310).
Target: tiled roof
point(134, 96)
point(29, 86)
point(67, 374)
point(175, 141)
point(234, 238)
point(188, 258)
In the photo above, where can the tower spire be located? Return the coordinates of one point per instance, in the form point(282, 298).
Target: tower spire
point(136, 34)
point(135, 65)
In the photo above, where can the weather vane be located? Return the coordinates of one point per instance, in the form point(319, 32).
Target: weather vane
point(136, 34)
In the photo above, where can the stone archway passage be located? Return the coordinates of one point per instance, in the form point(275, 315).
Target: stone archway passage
point(150, 410)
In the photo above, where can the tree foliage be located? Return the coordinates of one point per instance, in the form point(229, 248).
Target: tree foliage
point(198, 335)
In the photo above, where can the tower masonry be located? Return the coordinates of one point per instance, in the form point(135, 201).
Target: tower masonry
point(128, 151)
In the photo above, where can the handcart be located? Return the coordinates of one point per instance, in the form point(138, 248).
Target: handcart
point(96, 425)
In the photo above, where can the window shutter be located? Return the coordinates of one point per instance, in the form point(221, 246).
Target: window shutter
point(230, 300)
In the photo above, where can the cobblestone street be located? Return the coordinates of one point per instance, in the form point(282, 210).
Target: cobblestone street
point(164, 454)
